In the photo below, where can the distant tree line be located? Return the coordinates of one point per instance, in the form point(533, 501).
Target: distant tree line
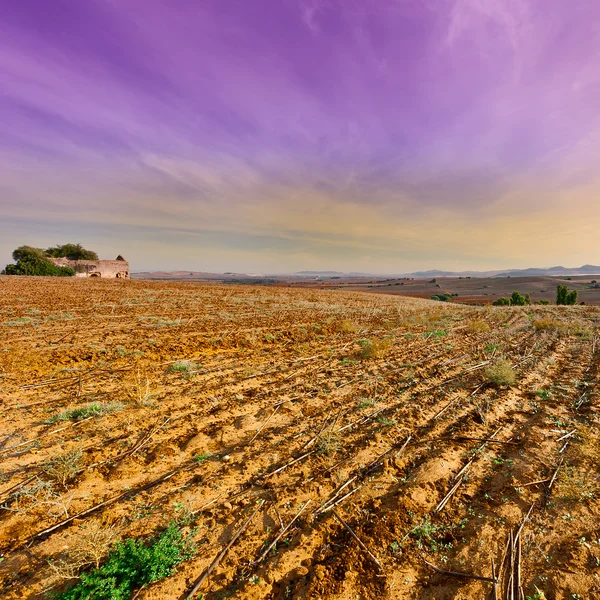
point(35, 261)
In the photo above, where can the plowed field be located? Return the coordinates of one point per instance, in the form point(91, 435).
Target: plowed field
point(394, 447)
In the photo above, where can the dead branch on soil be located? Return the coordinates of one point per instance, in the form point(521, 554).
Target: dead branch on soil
point(458, 573)
point(359, 541)
point(266, 551)
point(476, 439)
point(101, 505)
point(449, 495)
point(553, 478)
point(513, 590)
point(265, 423)
point(459, 477)
point(34, 440)
point(223, 552)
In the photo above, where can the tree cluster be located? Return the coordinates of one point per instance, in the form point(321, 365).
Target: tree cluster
point(515, 300)
point(35, 261)
point(564, 296)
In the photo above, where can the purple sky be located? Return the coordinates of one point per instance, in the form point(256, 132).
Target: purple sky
point(276, 135)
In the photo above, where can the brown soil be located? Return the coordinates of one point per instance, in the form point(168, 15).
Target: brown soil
point(466, 290)
point(277, 374)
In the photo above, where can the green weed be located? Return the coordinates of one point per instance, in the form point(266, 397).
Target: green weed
point(133, 564)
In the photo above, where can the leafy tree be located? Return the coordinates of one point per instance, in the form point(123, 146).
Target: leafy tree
point(517, 300)
point(26, 252)
point(563, 296)
point(72, 252)
point(32, 261)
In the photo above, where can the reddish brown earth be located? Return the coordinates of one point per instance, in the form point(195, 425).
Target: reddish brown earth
point(278, 374)
point(466, 290)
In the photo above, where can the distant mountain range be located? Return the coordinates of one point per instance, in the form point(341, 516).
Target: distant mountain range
point(552, 271)
point(532, 272)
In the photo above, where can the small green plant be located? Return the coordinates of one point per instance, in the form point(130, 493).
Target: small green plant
point(202, 457)
point(92, 409)
point(133, 564)
point(500, 373)
point(491, 347)
point(427, 535)
point(366, 402)
point(437, 333)
point(186, 368)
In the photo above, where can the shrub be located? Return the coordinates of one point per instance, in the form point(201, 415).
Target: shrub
point(543, 302)
point(500, 373)
point(64, 467)
point(501, 302)
point(31, 261)
point(34, 261)
point(442, 297)
point(88, 548)
point(132, 564)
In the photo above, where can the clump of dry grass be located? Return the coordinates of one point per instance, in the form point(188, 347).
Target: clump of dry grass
point(329, 443)
point(477, 326)
point(140, 389)
point(374, 348)
point(500, 373)
point(64, 467)
point(88, 549)
point(346, 326)
point(546, 324)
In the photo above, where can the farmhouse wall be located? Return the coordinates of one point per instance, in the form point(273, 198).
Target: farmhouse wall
point(106, 269)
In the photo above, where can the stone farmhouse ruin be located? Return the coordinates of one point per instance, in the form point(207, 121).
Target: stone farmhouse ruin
point(106, 269)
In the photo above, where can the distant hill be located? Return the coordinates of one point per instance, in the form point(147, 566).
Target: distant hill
point(531, 272)
point(551, 271)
